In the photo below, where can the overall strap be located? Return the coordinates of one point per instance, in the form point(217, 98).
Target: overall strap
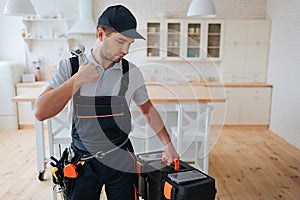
point(74, 64)
point(125, 78)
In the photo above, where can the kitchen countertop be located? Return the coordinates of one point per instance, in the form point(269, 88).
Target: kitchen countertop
point(158, 93)
point(208, 84)
point(218, 84)
point(181, 92)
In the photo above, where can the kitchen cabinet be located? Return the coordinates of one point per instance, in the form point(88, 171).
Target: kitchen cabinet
point(194, 39)
point(255, 106)
point(246, 46)
point(213, 45)
point(244, 106)
point(174, 39)
point(154, 40)
point(184, 39)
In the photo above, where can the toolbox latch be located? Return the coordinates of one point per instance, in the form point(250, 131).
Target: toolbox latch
point(168, 190)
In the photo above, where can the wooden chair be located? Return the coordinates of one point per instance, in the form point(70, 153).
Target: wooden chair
point(59, 136)
point(142, 136)
point(59, 133)
point(193, 128)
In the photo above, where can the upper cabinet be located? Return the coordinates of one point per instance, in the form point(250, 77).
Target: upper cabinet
point(184, 39)
point(174, 39)
point(194, 33)
point(246, 45)
point(154, 40)
point(213, 46)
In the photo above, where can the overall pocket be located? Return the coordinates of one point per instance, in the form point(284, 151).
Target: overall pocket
point(100, 124)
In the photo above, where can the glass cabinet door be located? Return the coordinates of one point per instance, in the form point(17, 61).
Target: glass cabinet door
point(153, 40)
point(193, 40)
point(213, 40)
point(173, 39)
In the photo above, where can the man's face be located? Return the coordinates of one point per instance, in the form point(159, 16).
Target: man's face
point(115, 46)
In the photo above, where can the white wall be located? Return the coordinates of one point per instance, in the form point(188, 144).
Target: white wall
point(284, 68)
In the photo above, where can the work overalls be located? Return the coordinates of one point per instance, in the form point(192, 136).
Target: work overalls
point(102, 125)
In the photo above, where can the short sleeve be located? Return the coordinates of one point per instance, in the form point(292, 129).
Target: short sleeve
point(137, 87)
point(61, 74)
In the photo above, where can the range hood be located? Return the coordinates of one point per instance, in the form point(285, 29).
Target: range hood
point(85, 24)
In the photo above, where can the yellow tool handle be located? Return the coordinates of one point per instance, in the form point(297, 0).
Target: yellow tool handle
point(54, 170)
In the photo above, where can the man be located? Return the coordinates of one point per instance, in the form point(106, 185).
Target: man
point(100, 92)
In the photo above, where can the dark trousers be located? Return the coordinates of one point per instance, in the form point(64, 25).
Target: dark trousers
point(117, 172)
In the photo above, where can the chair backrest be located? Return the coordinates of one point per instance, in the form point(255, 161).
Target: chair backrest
point(138, 122)
point(193, 130)
point(193, 117)
point(59, 131)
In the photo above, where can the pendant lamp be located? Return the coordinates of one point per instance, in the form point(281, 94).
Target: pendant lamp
point(19, 8)
point(203, 8)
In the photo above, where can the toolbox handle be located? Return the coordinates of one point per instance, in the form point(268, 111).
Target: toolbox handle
point(176, 161)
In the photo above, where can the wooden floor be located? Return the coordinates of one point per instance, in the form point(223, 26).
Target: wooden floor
point(247, 163)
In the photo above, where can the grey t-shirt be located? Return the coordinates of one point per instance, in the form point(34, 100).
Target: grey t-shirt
point(108, 83)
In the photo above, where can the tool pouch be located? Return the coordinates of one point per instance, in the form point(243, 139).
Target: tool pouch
point(65, 182)
point(69, 182)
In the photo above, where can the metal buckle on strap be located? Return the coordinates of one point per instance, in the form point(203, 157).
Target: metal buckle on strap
point(99, 154)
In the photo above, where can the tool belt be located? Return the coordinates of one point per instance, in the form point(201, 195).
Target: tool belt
point(86, 156)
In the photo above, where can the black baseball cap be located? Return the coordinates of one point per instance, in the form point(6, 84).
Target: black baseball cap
point(121, 19)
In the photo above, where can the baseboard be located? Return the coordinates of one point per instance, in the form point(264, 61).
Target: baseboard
point(241, 126)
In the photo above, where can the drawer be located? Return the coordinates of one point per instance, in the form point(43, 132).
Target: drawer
point(247, 91)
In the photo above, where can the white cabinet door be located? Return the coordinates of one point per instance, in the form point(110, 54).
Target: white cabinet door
point(234, 58)
point(246, 50)
point(255, 110)
point(174, 40)
point(214, 40)
point(256, 58)
point(255, 106)
point(235, 31)
point(233, 103)
point(258, 31)
point(193, 38)
point(244, 106)
point(154, 40)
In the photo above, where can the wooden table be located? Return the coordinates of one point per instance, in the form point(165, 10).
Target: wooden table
point(158, 93)
point(182, 93)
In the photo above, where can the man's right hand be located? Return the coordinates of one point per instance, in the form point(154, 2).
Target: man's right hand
point(87, 73)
